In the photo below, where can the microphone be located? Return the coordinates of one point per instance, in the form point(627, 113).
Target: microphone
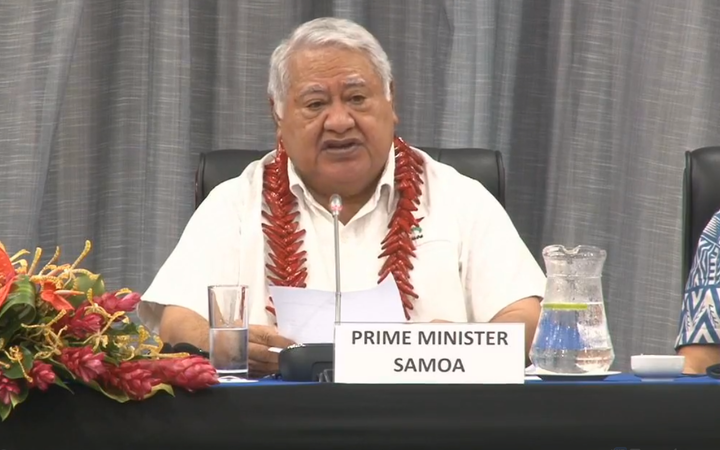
point(335, 208)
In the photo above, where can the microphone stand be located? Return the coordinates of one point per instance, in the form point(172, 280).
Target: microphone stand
point(335, 208)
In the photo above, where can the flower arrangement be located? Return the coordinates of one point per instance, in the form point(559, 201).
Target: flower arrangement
point(58, 325)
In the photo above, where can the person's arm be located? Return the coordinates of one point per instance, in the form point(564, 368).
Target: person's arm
point(503, 281)
point(179, 324)
point(698, 339)
point(698, 357)
point(208, 253)
point(175, 306)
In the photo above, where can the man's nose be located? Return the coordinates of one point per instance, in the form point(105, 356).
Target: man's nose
point(339, 120)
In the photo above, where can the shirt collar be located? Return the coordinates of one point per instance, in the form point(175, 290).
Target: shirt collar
point(385, 190)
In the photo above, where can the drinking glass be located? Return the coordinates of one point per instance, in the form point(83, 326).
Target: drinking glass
point(228, 308)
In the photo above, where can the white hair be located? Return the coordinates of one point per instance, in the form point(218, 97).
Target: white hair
point(325, 31)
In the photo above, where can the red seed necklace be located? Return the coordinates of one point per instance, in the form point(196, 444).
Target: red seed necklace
point(284, 236)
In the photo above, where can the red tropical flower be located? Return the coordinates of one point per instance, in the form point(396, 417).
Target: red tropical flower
point(42, 375)
point(191, 373)
point(131, 378)
point(6, 286)
point(83, 362)
point(55, 300)
point(81, 324)
point(110, 302)
point(7, 276)
point(8, 388)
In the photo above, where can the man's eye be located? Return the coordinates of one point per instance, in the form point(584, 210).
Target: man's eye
point(357, 99)
point(314, 105)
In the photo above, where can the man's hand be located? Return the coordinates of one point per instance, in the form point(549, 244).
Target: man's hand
point(525, 311)
point(261, 360)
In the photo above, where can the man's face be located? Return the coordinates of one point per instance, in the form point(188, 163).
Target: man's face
point(337, 124)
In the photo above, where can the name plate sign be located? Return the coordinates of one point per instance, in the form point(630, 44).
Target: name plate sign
point(443, 353)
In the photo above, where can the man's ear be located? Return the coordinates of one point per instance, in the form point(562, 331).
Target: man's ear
point(273, 111)
point(396, 120)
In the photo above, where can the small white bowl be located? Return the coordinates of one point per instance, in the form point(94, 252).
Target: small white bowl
point(657, 367)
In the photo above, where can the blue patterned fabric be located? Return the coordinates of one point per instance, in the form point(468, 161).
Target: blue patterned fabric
point(699, 318)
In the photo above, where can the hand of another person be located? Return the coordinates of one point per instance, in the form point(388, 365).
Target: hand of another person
point(261, 360)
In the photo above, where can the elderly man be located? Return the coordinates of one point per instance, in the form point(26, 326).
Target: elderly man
point(699, 336)
point(449, 245)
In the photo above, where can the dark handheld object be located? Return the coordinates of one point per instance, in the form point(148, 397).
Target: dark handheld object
point(184, 347)
point(306, 362)
point(713, 371)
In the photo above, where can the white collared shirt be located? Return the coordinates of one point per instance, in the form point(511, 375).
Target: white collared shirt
point(471, 263)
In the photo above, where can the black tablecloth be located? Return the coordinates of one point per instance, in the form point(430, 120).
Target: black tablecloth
point(326, 416)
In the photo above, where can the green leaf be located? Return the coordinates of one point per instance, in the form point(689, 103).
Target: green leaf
point(161, 387)
point(19, 308)
point(60, 370)
point(61, 373)
point(112, 393)
point(19, 398)
point(62, 384)
point(84, 283)
point(123, 329)
point(4, 411)
point(111, 359)
point(15, 372)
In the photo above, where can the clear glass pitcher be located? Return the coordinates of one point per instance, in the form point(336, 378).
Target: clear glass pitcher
point(572, 336)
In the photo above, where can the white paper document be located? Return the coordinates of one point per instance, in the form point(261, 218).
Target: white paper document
point(308, 316)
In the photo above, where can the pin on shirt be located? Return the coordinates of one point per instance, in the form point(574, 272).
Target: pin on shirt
point(416, 233)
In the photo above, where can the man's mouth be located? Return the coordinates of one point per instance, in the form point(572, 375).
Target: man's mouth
point(340, 145)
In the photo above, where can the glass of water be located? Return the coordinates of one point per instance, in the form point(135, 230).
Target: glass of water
point(228, 317)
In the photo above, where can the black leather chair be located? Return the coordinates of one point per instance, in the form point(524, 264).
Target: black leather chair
point(483, 165)
point(701, 199)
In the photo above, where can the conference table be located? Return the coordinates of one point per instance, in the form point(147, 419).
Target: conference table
point(621, 411)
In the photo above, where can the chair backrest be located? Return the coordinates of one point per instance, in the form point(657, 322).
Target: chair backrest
point(701, 199)
point(485, 166)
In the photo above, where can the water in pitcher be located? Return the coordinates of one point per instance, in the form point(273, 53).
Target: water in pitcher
point(572, 336)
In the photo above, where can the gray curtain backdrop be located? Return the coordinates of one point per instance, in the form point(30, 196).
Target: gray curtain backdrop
point(106, 104)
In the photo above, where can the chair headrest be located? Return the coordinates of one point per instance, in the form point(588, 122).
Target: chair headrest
point(483, 165)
